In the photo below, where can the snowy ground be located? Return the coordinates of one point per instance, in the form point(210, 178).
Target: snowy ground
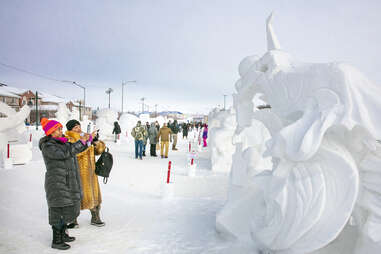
point(138, 219)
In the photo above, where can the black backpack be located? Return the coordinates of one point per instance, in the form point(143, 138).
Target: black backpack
point(103, 165)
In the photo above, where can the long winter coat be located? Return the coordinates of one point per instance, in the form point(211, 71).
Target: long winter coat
point(62, 180)
point(152, 134)
point(86, 160)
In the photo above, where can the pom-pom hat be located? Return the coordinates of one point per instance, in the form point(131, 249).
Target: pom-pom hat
point(49, 126)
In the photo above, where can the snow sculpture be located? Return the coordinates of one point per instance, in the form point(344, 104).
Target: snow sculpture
point(11, 127)
point(127, 123)
point(105, 123)
point(63, 114)
point(322, 129)
point(221, 130)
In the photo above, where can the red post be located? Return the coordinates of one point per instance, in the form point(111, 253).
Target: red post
point(190, 146)
point(126, 133)
point(30, 137)
point(8, 152)
point(192, 161)
point(118, 136)
point(169, 171)
point(199, 141)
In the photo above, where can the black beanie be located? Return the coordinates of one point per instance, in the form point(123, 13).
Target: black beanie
point(71, 124)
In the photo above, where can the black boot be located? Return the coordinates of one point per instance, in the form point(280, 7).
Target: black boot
point(95, 218)
point(73, 224)
point(58, 242)
point(65, 236)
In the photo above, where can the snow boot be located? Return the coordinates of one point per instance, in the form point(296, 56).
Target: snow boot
point(95, 219)
point(58, 242)
point(65, 236)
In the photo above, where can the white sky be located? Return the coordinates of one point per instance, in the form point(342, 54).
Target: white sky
point(183, 53)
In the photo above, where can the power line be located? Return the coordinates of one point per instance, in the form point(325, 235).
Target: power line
point(30, 72)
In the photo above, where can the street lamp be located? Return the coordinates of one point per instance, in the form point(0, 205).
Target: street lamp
point(123, 84)
point(84, 96)
point(109, 91)
point(142, 99)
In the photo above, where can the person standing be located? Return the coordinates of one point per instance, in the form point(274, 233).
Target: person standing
point(164, 134)
point(175, 129)
point(185, 130)
point(152, 134)
point(138, 133)
point(92, 197)
point(205, 135)
point(62, 180)
point(116, 131)
point(146, 127)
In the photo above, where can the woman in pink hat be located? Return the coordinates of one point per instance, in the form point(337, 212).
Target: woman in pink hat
point(62, 181)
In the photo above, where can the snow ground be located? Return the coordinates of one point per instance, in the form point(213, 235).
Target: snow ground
point(138, 219)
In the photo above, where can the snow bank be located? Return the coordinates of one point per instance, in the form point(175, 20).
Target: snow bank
point(321, 136)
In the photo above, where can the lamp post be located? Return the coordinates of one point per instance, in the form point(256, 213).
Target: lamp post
point(109, 91)
point(84, 96)
point(142, 99)
point(123, 84)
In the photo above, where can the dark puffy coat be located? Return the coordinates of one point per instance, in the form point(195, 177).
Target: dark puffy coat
point(174, 127)
point(116, 129)
point(62, 180)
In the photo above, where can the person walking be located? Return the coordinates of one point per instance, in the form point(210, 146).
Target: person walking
point(92, 197)
point(164, 134)
point(152, 134)
point(175, 129)
point(185, 130)
point(138, 133)
point(116, 131)
point(205, 135)
point(62, 180)
point(145, 140)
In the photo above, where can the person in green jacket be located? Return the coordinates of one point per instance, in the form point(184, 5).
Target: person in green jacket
point(139, 133)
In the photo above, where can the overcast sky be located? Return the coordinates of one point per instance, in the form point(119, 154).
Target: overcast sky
point(184, 54)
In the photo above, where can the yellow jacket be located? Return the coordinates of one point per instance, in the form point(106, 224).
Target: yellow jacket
point(86, 162)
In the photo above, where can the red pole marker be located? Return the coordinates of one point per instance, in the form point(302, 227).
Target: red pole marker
point(169, 171)
point(192, 161)
point(126, 133)
point(30, 137)
point(118, 136)
point(8, 152)
point(190, 146)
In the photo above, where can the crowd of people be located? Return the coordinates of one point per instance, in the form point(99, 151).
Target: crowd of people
point(71, 184)
point(160, 137)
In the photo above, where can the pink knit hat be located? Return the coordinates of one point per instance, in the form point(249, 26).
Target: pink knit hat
point(49, 126)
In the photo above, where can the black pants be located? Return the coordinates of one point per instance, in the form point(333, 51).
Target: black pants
point(153, 150)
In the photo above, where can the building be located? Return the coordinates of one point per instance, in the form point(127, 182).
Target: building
point(47, 104)
point(9, 98)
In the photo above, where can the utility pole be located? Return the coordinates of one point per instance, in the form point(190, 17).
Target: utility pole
point(123, 84)
point(225, 102)
point(142, 99)
point(109, 91)
point(155, 110)
point(37, 120)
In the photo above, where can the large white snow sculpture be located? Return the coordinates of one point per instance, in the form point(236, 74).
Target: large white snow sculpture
point(221, 139)
point(11, 129)
point(105, 122)
point(324, 122)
